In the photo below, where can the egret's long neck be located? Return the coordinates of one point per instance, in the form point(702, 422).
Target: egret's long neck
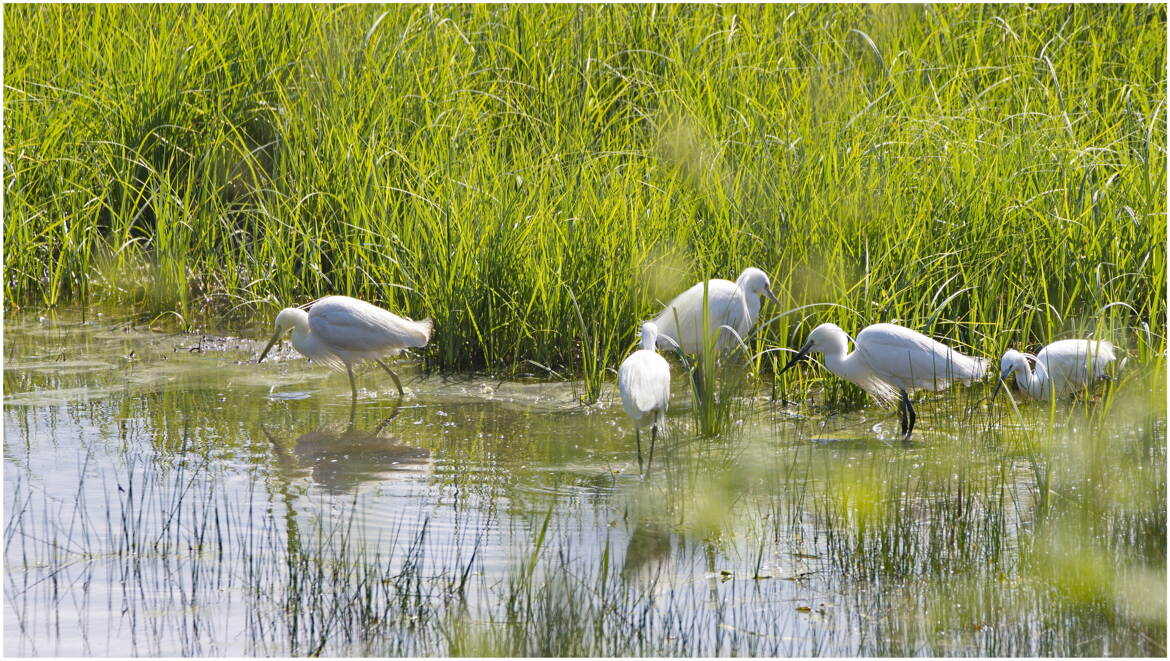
point(753, 307)
point(1034, 379)
point(301, 337)
point(751, 301)
point(845, 364)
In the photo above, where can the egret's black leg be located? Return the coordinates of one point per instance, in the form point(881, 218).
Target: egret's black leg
point(638, 438)
point(394, 376)
point(352, 383)
point(908, 416)
point(902, 411)
point(653, 437)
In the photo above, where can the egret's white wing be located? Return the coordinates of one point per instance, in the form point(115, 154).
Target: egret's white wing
point(910, 360)
point(644, 384)
point(734, 315)
point(682, 319)
point(361, 329)
point(314, 349)
point(1076, 354)
point(1072, 364)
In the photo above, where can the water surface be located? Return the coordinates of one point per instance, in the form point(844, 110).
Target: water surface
point(165, 495)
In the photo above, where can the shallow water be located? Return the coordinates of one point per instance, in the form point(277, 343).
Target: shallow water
point(164, 495)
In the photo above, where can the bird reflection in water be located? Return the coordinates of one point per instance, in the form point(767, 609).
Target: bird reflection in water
point(648, 552)
point(342, 457)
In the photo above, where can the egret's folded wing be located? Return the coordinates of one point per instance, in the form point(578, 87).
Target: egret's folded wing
point(678, 314)
point(359, 327)
point(682, 318)
point(1075, 362)
point(913, 360)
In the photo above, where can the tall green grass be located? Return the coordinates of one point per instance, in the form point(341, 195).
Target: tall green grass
point(538, 179)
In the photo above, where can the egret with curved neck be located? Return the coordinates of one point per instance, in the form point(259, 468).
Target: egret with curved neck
point(1060, 369)
point(339, 331)
point(732, 309)
point(889, 362)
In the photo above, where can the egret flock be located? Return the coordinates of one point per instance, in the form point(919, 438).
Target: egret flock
point(889, 362)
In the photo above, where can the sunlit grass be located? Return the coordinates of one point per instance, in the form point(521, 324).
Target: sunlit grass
point(539, 179)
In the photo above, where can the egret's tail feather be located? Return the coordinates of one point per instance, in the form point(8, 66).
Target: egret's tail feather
point(426, 326)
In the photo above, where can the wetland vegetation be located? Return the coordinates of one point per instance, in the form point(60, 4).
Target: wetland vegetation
point(162, 499)
point(539, 180)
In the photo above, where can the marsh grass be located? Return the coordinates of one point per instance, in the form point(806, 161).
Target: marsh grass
point(716, 376)
point(538, 179)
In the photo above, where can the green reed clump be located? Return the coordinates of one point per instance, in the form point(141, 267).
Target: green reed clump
point(974, 171)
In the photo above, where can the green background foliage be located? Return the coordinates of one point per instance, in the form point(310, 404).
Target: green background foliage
point(992, 175)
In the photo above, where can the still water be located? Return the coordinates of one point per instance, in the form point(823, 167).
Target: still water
point(165, 495)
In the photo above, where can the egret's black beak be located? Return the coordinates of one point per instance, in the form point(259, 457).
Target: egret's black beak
point(269, 347)
point(771, 296)
point(800, 356)
point(999, 384)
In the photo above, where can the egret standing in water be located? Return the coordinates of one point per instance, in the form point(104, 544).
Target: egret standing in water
point(339, 331)
point(732, 304)
point(1061, 368)
point(644, 383)
point(889, 362)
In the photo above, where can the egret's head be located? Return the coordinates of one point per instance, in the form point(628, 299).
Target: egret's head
point(288, 318)
point(823, 338)
point(1012, 361)
point(755, 281)
point(649, 335)
point(826, 337)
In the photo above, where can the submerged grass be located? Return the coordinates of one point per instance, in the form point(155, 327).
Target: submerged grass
point(784, 550)
point(538, 179)
point(192, 516)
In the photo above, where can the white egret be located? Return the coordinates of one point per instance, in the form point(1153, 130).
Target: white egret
point(1061, 368)
point(644, 383)
point(732, 304)
point(889, 362)
point(339, 331)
